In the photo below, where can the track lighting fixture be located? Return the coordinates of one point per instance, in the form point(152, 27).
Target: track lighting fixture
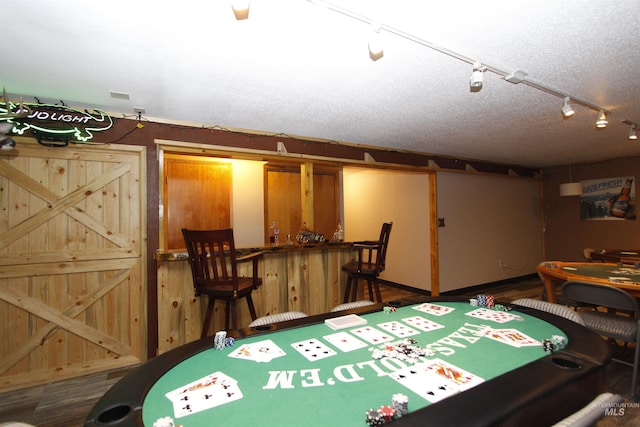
point(633, 132)
point(375, 42)
point(567, 110)
point(475, 82)
point(240, 9)
point(602, 122)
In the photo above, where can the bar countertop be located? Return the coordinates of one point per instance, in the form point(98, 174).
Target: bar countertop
point(181, 254)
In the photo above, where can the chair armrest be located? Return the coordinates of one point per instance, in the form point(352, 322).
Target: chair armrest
point(365, 243)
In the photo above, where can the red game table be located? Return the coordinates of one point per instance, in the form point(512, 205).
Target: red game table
point(519, 385)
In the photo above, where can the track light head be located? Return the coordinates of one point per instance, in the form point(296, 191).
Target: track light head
point(477, 77)
point(633, 132)
point(375, 42)
point(602, 122)
point(240, 9)
point(567, 110)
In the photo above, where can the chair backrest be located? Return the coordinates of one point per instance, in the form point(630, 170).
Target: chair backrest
point(549, 307)
point(212, 257)
point(383, 243)
point(599, 295)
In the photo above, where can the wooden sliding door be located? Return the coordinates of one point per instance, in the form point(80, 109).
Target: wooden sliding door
point(72, 261)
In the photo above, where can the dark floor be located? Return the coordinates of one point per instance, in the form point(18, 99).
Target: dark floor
point(67, 403)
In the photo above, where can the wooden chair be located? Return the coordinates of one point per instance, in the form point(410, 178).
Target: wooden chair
point(368, 266)
point(618, 326)
point(213, 261)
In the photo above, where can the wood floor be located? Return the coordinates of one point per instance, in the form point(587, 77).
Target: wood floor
point(67, 403)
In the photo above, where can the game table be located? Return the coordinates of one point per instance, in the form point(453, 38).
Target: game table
point(508, 384)
point(555, 273)
point(629, 256)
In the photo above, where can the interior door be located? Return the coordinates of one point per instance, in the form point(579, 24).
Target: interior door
point(72, 261)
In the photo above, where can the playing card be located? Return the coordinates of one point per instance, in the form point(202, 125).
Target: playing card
point(493, 315)
point(261, 351)
point(205, 393)
point(424, 383)
point(435, 309)
point(344, 341)
point(371, 335)
point(457, 377)
point(313, 349)
point(512, 337)
point(422, 324)
point(398, 329)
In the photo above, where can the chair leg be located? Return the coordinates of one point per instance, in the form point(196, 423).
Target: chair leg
point(347, 289)
point(234, 314)
point(227, 314)
point(252, 309)
point(370, 288)
point(376, 287)
point(354, 290)
point(207, 317)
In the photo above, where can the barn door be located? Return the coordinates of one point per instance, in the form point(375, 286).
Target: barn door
point(72, 251)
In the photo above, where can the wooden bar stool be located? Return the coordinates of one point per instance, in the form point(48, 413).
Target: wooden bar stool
point(213, 261)
point(368, 266)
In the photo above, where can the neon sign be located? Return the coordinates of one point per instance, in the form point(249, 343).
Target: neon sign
point(54, 121)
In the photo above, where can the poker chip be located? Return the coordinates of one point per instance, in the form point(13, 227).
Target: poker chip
point(473, 302)
point(400, 404)
point(219, 340)
point(374, 418)
point(229, 342)
point(387, 412)
point(164, 422)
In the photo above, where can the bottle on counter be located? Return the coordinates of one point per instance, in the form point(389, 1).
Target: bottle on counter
point(274, 234)
point(621, 204)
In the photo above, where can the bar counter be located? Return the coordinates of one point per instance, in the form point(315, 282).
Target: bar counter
point(298, 277)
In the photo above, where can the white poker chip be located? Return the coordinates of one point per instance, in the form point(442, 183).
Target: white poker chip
point(164, 422)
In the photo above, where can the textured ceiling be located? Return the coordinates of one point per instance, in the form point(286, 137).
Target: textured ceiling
point(299, 68)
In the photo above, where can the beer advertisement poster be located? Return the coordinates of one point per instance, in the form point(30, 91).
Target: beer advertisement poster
point(608, 199)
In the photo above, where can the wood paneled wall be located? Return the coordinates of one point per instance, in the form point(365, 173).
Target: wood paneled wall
point(307, 280)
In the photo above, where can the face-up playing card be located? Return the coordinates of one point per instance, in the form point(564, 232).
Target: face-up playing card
point(371, 335)
point(435, 309)
point(344, 341)
point(261, 351)
point(512, 337)
point(313, 349)
point(205, 393)
point(398, 329)
point(422, 324)
point(424, 383)
point(493, 315)
point(456, 376)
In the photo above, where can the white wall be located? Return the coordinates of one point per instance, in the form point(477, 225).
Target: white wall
point(487, 219)
point(248, 203)
point(374, 196)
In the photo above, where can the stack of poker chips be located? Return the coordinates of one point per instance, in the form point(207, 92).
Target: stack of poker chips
point(556, 343)
point(220, 340)
point(387, 412)
point(374, 418)
point(400, 404)
point(483, 300)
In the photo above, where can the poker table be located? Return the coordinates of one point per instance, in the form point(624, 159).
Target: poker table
point(508, 384)
point(631, 256)
point(555, 273)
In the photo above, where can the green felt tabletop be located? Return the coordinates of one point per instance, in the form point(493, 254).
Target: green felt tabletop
point(337, 390)
point(604, 271)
